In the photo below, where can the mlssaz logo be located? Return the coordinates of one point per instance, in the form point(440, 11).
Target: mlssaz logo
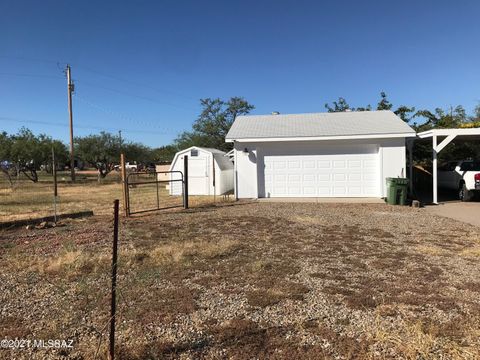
point(57, 344)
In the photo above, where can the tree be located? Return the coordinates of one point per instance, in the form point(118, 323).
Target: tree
point(164, 153)
point(25, 153)
point(103, 151)
point(384, 104)
point(212, 125)
point(339, 106)
point(5, 157)
point(45, 147)
point(476, 116)
point(405, 113)
point(441, 119)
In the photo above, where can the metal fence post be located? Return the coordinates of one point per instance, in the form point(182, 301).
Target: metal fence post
point(185, 181)
point(214, 189)
point(158, 196)
point(55, 188)
point(123, 169)
point(114, 280)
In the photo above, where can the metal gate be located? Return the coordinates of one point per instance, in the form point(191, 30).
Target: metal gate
point(137, 182)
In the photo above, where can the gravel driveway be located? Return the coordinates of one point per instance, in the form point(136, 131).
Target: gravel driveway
point(249, 280)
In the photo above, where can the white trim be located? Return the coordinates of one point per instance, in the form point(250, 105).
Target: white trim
point(313, 138)
point(381, 186)
point(446, 132)
point(445, 142)
point(235, 174)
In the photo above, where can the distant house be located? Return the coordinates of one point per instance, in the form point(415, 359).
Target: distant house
point(209, 172)
point(345, 154)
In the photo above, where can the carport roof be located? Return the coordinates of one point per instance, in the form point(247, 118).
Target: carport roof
point(457, 132)
point(353, 124)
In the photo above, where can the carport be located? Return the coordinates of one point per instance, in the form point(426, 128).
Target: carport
point(446, 136)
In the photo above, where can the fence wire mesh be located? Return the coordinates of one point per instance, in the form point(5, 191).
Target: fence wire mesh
point(22, 198)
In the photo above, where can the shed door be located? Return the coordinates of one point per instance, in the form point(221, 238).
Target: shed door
point(198, 170)
point(323, 172)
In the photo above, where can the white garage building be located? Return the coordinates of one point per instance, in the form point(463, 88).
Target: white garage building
point(209, 172)
point(344, 154)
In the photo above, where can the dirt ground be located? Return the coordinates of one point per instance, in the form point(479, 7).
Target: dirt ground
point(249, 280)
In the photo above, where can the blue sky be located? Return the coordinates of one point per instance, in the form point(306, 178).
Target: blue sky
point(141, 66)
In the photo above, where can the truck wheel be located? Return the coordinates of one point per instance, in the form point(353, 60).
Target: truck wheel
point(464, 194)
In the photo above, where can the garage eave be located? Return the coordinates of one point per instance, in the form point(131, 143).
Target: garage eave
point(316, 138)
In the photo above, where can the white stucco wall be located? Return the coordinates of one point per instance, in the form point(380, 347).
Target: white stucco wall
point(245, 170)
point(249, 164)
point(393, 160)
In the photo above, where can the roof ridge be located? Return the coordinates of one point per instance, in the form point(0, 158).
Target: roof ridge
point(318, 113)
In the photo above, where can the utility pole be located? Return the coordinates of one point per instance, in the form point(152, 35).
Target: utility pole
point(120, 139)
point(70, 113)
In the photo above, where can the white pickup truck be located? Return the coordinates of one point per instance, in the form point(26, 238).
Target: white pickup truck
point(463, 176)
point(131, 166)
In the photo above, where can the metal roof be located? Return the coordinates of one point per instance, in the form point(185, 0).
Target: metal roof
point(212, 150)
point(381, 122)
point(219, 156)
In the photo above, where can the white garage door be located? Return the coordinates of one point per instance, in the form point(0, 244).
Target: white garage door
point(328, 173)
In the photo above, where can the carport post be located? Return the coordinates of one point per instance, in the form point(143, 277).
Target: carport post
point(434, 169)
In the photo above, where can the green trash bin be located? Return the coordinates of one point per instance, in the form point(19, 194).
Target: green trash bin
point(391, 191)
point(397, 191)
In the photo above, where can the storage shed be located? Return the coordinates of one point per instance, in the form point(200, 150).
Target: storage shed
point(209, 172)
point(344, 154)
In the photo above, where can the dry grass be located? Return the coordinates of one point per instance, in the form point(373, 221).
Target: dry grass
point(32, 200)
point(253, 280)
point(431, 250)
point(185, 251)
point(471, 252)
point(74, 263)
point(416, 339)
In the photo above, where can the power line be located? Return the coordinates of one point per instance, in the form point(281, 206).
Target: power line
point(31, 75)
point(135, 95)
point(87, 127)
point(136, 83)
point(140, 84)
point(106, 110)
point(101, 87)
point(24, 58)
